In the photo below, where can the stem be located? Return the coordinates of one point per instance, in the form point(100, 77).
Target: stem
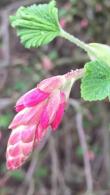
point(76, 41)
point(75, 74)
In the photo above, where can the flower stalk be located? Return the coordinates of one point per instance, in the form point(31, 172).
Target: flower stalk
point(75, 74)
point(76, 41)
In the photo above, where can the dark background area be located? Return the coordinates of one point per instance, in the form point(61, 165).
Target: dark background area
point(58, 168)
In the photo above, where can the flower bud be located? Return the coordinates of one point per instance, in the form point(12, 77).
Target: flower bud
point(39, 109)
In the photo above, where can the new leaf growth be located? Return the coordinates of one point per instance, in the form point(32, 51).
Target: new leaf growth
point(36, 25)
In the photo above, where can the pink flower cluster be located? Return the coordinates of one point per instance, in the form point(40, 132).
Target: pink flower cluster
point(39, 109)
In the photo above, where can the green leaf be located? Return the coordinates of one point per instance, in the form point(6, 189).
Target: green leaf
point(101, 51)
point(37, 24)
point(96, 81)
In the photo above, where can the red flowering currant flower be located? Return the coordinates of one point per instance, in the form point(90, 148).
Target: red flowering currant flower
point(39, 109)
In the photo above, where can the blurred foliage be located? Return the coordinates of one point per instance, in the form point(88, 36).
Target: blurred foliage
point(5, 120)
point(17, 175)
point(41, 172)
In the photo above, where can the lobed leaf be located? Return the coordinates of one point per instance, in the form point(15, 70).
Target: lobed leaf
point(96, 81)
point(37, 24)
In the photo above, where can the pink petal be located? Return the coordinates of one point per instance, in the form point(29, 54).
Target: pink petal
point(28, 116)
point(40, 133)
point(50, 84)
point(19, 107)
point(20, 146)
point(28, 134)
point(59, 113)
point(14, 151)
point(15, 138)
point(14, 163)
point(50, 109)
point(31, 98)
point(27, 149)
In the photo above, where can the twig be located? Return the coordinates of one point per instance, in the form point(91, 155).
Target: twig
point(31, 187)
point(4, 179)
point(106, 141)
point(68, 150)
point(64, 187)
point(55, 166)
point(5, 102)
point(82, 137)
point(5, 38)
point(57, 175)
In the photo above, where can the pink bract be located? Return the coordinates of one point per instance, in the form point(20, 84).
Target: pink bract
point(20, 146)
point(52, 83)
point(50, 109)
point(59, 113)
point(31, 98)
